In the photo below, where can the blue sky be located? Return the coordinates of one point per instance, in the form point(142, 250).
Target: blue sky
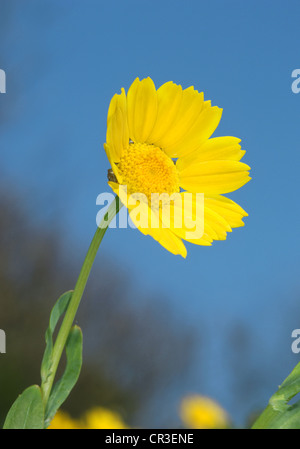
point(65, 60)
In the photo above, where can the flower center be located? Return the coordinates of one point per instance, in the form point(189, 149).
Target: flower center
point(147, 169)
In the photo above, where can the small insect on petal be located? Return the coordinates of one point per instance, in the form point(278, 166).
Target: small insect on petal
point(111, 176)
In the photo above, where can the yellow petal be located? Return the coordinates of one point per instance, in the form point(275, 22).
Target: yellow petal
point(169, 241)
point(228, 209)
point(214, 176)
point(169, 97)
point(117, 136)
point(215, 228)
point(193, 220)
point(186, 219)
point(200, 130)
point(110, 158)
point(217, 223)
point(220, 215)
point(191, 105)
point(218, 149)
point(117, 101)
point(162, 235)
point(141, 109)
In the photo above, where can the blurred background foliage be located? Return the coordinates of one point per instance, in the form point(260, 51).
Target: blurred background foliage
point(195, 412)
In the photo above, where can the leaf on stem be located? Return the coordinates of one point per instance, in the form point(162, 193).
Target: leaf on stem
point(58, 310)
point(63, 387)
point(27, 412)
point(279, 414)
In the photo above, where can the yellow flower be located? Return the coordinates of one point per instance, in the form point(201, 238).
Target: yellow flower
point(62, 420)
point(158, 142)
point(102, 418)
point(95, 418)
point(200, 412)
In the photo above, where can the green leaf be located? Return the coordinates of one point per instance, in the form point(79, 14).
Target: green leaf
point(27, 412)
point(58, 310)
point(63, 387)
point(272, 419)
point(287, 390)
point(279, 414)
point(290, 419)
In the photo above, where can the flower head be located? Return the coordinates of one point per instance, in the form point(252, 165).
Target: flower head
point(200, 412)
point(162, 156)
point(95, 418)
point(62, 420)
point(102, 418)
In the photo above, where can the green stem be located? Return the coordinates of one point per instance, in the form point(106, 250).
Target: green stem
point(77, 295)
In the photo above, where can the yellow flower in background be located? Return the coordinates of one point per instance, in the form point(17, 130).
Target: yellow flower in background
point(95, 418)
point(102, 418)
point(158, 141)
point(62, 420)
point(200, 412)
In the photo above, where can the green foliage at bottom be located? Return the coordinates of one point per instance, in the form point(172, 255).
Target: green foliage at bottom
point(279, 414)
point(27, 412)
